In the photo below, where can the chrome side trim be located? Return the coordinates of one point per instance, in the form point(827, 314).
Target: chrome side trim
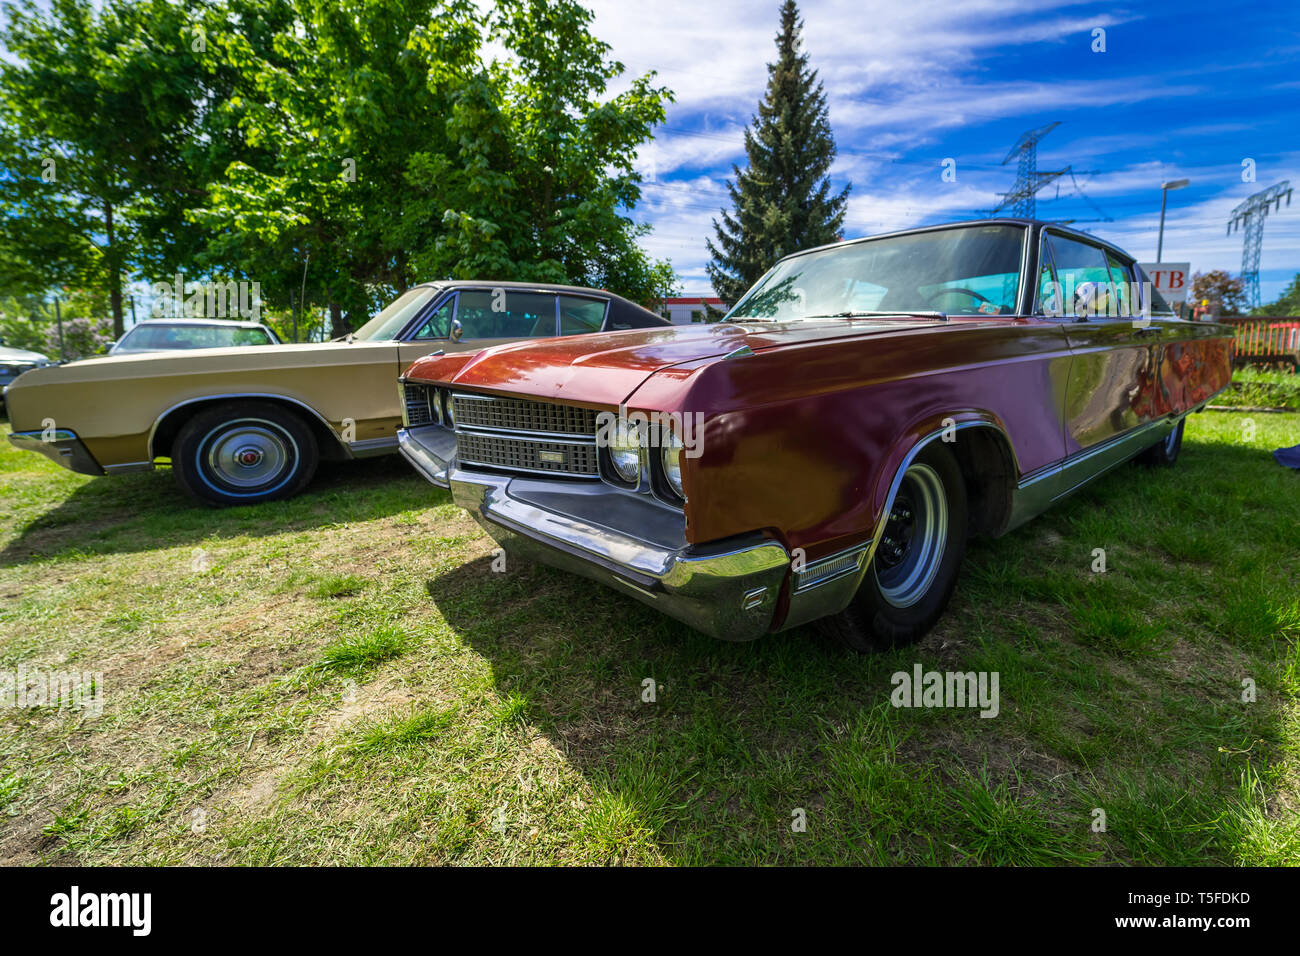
point(153, 429)
point(826, 586)
point(63, 448)
point(828, 569)
point(371, 447)
point(127, 468)
point(1039, 490)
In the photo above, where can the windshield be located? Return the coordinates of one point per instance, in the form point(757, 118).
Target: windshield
point(971, 270)
point(385, 326)
point(162, 337)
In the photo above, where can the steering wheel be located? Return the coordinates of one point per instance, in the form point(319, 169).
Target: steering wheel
point(951, 289)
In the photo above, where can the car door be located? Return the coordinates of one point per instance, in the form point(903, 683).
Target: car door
point(1113, 370)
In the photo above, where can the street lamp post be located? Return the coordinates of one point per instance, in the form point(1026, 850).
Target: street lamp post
point(1164, 194)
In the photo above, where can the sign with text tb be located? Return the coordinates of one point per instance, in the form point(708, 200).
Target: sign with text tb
point(1173, 280)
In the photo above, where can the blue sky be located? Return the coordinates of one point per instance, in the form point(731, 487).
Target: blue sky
point(1182, 90)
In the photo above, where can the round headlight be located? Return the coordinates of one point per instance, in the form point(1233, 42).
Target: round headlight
point(672, 461)
point(435, 404)
point(625, 453)
point(447, 403)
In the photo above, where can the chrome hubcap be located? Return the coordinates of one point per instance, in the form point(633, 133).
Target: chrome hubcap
point(912, 545)
point(248, 455)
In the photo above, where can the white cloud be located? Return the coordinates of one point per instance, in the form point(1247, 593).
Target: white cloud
point(901, 78)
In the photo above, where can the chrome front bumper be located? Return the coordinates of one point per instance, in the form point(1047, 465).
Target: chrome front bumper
point(635, 545)
point(62, 447)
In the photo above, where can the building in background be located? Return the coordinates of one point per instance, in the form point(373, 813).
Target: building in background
point(685, 309)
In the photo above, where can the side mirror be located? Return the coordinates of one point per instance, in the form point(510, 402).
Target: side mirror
point(457, 330)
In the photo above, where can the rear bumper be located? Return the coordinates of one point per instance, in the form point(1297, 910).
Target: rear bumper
point(727, 589)
point(62, 447)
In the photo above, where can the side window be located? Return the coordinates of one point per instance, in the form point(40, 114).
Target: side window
point(438, 325)
point(1081, 268)
point(579, 315)
point(1121, 280)
point(487, 314)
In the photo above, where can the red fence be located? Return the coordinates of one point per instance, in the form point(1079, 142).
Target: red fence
point(1271, 339)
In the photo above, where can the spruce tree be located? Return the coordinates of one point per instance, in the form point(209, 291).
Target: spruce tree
point(782, 201)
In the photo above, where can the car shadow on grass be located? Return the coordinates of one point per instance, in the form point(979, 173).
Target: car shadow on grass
point(143, 512)
point(785, 750)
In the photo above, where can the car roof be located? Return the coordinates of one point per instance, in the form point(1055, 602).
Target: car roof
point(1035, 224)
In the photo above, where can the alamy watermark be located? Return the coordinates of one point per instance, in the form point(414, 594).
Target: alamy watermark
point(30, 687)
point(651, 430)
point(922, 688)
point(206, 300)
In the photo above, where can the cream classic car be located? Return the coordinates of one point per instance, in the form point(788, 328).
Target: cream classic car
point(242, 425)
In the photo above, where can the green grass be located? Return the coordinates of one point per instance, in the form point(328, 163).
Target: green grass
point(343, 678)
point(359, 653)
point(1257, 388)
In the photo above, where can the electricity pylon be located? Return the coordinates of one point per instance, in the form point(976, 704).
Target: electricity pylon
point(1249, 217)
point(1020, 200)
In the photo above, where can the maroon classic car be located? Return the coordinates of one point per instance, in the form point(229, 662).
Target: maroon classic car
point(823, 452)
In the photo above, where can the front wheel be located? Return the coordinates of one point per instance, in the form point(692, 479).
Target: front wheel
point(1165, 452)
point(914, 571)
point(244, 452)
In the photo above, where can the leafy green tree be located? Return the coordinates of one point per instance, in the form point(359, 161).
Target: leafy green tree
point(327, 103)
point(1288, 303)
point(1223, 293)
point(96, 116)
point(31, 321)
point(349, 146)
point(374, 148)
point(546, 163)
point(782, 201)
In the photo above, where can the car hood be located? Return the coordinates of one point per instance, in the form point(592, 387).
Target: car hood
point(9, 355)
point(185, 361)
point(606, 368)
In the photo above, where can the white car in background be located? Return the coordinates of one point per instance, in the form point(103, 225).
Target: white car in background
point(166, 335)
point(13, 362)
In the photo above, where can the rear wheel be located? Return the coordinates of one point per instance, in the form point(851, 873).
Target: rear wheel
point(1165, 452)
point(914, 571)
point(243, 453)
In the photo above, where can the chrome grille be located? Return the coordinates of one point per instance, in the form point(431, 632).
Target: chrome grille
point(526, 454)
point(419, 411)
point(522, 415)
